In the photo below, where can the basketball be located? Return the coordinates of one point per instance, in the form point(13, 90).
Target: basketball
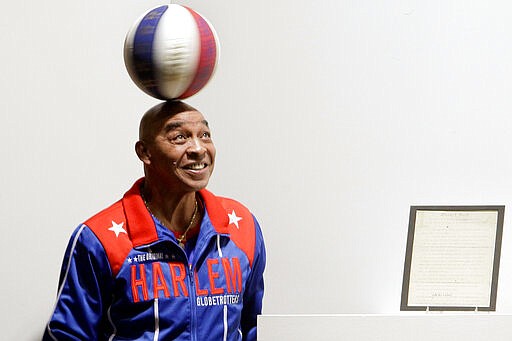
point(171, 52)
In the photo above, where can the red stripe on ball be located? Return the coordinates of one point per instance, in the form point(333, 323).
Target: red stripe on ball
point(207, 56)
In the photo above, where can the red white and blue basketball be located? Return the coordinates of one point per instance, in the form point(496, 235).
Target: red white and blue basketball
point(171, 52)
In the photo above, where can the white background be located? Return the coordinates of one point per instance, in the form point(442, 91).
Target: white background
point(330, 119)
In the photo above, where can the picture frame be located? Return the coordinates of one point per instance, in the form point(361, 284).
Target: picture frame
point(452, 258)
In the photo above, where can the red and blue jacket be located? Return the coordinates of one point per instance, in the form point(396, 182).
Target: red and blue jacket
point(124, 277)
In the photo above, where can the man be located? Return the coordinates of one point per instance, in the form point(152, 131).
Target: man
point(170, 260)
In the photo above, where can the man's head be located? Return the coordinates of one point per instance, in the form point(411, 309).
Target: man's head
point(175, 146)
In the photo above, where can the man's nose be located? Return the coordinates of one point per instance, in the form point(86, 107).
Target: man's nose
point(196, 147)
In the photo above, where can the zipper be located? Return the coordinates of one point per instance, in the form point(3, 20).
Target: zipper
point(203, 244)
point(192, 299)
point(191, 292)
point(225, 308)
point(192, 283)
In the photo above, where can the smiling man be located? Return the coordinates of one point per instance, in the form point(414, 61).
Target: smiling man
point(170, 260)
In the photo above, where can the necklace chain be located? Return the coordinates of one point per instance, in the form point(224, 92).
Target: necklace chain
point(183, 238)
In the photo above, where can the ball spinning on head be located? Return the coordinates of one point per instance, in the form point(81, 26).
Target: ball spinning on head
point(171, 52)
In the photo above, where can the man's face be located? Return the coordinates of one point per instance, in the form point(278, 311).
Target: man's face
point(182, 153)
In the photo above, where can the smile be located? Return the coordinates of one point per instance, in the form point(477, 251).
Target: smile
point(196, 166)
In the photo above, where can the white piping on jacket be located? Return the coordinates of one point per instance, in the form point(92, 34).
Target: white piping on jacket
point(75, 240)
point(112, 324)
point(157, 320)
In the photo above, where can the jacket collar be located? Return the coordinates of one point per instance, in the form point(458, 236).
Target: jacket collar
point(141, 227)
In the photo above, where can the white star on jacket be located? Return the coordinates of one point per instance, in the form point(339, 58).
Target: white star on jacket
point(117, 228)
point(233, 219)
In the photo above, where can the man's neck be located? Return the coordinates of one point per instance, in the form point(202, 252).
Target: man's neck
point(174, 210)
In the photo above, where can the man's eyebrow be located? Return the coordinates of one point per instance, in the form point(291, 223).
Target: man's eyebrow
point(173, 125)
point(177, 124)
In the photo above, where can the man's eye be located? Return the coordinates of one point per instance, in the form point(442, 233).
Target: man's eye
point(207, 134)
point(178, 138)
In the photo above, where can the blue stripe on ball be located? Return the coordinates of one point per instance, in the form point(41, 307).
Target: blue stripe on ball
point(143, 50)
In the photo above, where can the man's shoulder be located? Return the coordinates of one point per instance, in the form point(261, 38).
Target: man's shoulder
point(110, 227)
point(109, 223)
point(234, 218)
point(98, 219)
point(220, 207)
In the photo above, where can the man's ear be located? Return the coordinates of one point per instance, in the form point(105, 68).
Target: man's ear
point(143, 152)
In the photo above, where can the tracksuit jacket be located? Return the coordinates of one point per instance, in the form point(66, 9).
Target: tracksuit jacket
point(124, 277)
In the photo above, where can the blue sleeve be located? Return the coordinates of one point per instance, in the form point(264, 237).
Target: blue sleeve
point(253, 296)
point(84, 290)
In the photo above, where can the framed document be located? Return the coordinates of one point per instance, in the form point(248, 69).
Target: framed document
point(452, 258)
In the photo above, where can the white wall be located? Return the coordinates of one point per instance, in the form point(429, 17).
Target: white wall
point(330, 120)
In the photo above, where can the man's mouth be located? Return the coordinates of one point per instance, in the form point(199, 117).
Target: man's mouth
point(196, 166)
